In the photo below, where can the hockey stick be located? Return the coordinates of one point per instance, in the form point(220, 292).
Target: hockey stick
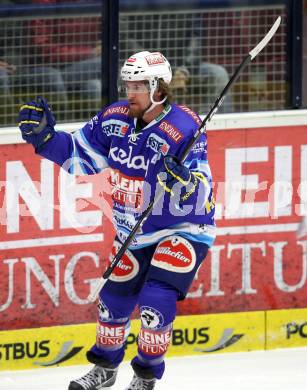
point(250, 56)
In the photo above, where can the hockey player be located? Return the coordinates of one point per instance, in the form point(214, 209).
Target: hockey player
point(138, 140)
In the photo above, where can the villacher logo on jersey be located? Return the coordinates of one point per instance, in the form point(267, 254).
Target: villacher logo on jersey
point(127, 267)
point(175, 254)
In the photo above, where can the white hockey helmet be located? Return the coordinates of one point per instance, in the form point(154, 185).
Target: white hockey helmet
point(147, 66)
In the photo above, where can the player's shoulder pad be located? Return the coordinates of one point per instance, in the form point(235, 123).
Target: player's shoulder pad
point(180, 123)
point(189, 114)
point(116, 110)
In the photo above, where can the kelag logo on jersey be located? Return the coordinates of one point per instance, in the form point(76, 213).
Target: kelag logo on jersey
point(114, 127)
point(125, 157)
point(157, 144)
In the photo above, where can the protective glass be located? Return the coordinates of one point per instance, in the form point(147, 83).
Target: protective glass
point(133, 87)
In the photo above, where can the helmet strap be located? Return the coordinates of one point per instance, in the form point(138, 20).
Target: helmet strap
point(153, 84)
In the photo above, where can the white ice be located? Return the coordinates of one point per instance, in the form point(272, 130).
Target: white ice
point(283, 369)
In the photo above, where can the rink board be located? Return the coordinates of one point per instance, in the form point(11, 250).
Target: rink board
point(56, 232)
point(192, 335)
point(54, 244)
point(286, 328)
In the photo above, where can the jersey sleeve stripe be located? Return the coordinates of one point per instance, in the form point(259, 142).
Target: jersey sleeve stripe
point(94, 157)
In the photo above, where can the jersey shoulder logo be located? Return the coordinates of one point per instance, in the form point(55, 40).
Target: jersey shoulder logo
point(119, 110)
point(157, 144)
point(114, 127)
point(171, 131)
point(191, 113)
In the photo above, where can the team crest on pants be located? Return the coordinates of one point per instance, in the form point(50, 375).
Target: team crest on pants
point(151, 318)
point(103, 311)
point(127, 267)
point(175, 254)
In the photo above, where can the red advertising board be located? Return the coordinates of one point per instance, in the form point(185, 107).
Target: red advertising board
point(55, 231)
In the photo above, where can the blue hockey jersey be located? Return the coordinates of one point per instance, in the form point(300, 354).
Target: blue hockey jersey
point(134, 158)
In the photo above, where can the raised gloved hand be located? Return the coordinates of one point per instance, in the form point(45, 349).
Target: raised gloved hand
point(36, 123)
point(175, 172)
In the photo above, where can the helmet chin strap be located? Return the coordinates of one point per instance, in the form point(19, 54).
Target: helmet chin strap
point(153, 86)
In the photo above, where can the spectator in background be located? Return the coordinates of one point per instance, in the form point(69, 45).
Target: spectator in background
point(6, 70)
point(64, 57)
point(192, 75)
point(212, 78)
point(196, 82)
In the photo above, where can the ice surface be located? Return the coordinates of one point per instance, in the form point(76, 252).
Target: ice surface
point(284, 369)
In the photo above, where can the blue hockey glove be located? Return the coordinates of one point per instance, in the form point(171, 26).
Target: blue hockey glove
point(175, 172)
point(36, 123)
